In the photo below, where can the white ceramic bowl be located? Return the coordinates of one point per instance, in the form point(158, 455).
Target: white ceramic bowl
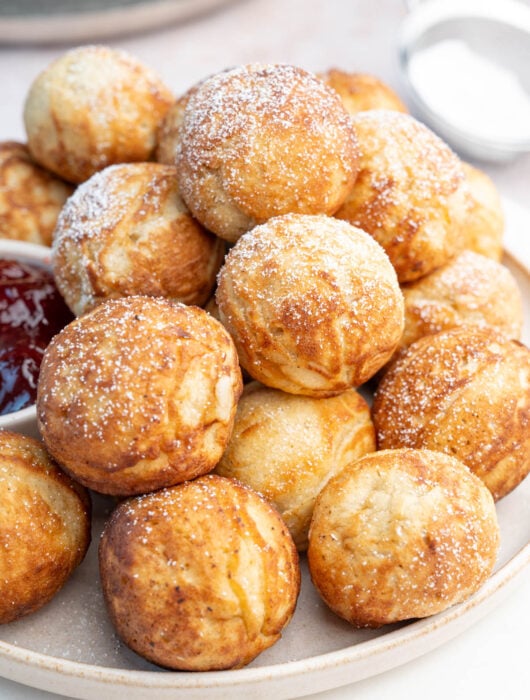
point(25, 420)
point(497, 31)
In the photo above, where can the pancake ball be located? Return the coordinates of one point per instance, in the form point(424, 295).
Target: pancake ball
point(484, 227)
point(360, 92)
point(169, 132)
point(287, 447)
point(126, 231)
point(44, 529)
point(465, 392)
point(410, 194)
point(401, 534)
point(92, 107)
point(170, 129)
point(312, 303)
point(212, 308)
point(200, 576)
point(263, 140)
point(469, 289)
point(30, 196)
point(138, 394)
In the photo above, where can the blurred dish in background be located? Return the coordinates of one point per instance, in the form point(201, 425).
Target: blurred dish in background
point(466, 66)
point(71, 21)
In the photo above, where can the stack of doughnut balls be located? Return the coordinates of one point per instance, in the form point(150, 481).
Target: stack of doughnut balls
point(249, 264)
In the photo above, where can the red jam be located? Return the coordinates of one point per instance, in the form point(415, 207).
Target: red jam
point(31, 312)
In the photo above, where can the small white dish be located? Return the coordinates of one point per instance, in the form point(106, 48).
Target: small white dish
point(25, 420)
point(465, 65)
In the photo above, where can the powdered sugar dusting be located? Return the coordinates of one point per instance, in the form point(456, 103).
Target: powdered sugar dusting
point(311, 292)
point(471, 288)
point(115, 227)
point(116, 367)
point(408, 392)
point(435, 169)
point(400, 534)
point(465, 392)
point(278, 269)
point(411, 193)
point(96, 204)
point(264, 140)
point(236, 103)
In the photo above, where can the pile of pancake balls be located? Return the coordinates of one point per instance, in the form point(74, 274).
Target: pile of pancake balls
point(248, 264)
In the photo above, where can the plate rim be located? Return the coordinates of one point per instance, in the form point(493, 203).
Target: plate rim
point(385, 648)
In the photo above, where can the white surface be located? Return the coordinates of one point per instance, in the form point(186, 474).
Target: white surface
point(490, 660)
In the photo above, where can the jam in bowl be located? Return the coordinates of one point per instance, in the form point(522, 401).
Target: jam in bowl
point(31, 312)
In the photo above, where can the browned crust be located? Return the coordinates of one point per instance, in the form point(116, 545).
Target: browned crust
point(470, 289)
point(410, 193)
point(126, 231)
point(44, 530)
point(485, 222)
point(201, 576)
point(360, 92)
point(92, 107)
point(312, 303)
point(30, 196)
point(465, 392)
point(261, 141)
point(169, 132)
point(287, 447)
point(401, 534)
point(138, 394)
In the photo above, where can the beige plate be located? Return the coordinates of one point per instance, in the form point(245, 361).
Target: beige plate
point(69, 647)
point(68, 21)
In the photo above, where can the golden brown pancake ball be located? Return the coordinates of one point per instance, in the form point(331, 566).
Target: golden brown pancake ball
point(263, 140)
point(92, 107)
point(30, 196)
point(199, 576)
point(138, 394)
point(484, 226)
point(465, 392)
point(126, 231)
point(360, 92)
point(312, 303)
point(401, 534)
point(469, 289)
point(44, 528)
point(410, 194)
point(212, 308)
point(170, 129)
point(287, 447)
point(169, 132)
